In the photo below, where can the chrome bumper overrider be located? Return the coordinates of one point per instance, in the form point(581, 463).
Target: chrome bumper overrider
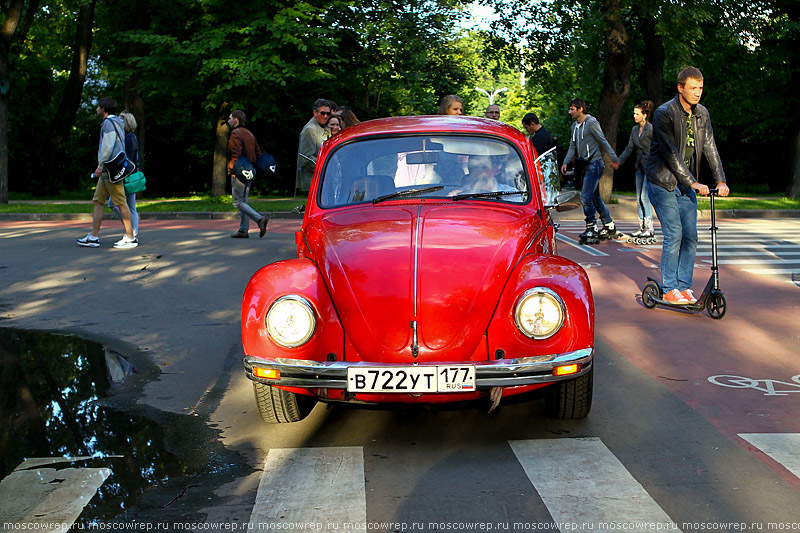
point(500, 373)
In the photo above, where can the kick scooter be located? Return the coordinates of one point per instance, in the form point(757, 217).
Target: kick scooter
point(712, 299)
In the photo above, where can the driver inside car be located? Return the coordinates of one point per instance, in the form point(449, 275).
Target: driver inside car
point(484, 176)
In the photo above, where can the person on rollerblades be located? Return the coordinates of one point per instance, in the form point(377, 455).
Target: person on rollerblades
point(639, 145)
point(585, 146)
point(682, 135)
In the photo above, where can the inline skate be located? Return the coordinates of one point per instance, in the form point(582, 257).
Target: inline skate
point(590, 236)
point(609, 233)
point(645, 234)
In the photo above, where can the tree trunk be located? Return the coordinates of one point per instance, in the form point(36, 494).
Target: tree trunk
point(61, 125)
point(219, 176)
point(653, 59)
point(71, 100)
point(794, 187)
point(133, 100)
point(7, 31)
point(616, 84)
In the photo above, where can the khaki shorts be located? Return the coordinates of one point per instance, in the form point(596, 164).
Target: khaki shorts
point(105, 189)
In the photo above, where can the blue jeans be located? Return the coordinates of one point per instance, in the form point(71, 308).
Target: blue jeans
point(642, 198)
point(590, 193)
point(130, 199)
point(240, 193)
point(677, 211)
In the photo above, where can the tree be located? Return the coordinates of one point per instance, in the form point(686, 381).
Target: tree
point(14, 29)
point(616, 83)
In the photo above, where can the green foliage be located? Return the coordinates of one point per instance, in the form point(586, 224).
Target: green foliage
point(746, 50)
point(192, 61)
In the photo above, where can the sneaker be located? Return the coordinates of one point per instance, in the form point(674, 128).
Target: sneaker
point(675, 297)
point(125, 242)
point(689, 296)
point(240, 235)
point(262, 227)
point(90, 240)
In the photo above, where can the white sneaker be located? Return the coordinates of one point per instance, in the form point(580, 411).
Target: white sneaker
point(90, 240)
point(125, 242)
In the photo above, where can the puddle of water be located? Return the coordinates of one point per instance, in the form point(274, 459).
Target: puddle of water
point(51, 391)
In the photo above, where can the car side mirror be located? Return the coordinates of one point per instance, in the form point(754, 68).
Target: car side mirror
point(566, 201)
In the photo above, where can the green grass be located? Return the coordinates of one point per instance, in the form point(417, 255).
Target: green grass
point(152, 205)
point(733, 202)
point(275, 205)
point(741, 201)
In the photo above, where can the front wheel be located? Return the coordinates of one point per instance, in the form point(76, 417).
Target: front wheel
point(571, 399)
point(650, 294)
point(716, 305)
point(278, 406)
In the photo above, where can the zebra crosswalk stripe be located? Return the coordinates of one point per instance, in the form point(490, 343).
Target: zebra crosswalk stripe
point(581, 482)
point(782, 447)
point(311, 489)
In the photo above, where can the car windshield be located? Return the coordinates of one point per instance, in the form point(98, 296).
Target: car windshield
point(432, 166)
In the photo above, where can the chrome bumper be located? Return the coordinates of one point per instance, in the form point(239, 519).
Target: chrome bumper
point(501, 373)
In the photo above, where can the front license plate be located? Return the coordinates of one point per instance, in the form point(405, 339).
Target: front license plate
point(412, 379)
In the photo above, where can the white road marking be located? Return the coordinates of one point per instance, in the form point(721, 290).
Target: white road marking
point(586, 248)
point(770, 271)
point(581, 481)
point(302, 488)
point(48, 497)
point(783, 447)
point(756, 261)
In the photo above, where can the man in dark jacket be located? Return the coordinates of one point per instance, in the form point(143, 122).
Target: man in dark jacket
point(243, 143)
point(682, 135)
point(540, 137)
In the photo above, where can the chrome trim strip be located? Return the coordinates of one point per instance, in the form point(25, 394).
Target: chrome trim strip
point(500, 373)
point(416, 259)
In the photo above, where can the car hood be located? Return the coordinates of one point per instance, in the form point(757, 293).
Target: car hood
point(442, 266)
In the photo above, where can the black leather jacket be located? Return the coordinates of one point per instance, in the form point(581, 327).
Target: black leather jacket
point(665, 166)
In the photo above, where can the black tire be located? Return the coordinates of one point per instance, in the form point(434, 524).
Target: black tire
point(278, 406)
point(571, 399)
point(716, 305)
point(650, 294)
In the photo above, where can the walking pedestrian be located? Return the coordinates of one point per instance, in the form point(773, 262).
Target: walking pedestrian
point(243, 143)
point(311, 138)
point(111, 144)
point(132, 151)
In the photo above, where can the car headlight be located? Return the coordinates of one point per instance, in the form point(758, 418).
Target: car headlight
point(290, 321)
point(539, 313)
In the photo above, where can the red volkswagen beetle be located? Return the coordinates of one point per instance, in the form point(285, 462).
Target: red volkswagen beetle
point(426, 273)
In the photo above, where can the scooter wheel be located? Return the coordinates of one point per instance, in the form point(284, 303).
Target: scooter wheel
point(716, 305)
point(650, 294)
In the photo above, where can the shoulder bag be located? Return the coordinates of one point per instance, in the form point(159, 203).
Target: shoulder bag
point(119, 166)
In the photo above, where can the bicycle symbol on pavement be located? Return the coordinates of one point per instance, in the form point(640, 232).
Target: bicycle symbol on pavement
point(770, 387)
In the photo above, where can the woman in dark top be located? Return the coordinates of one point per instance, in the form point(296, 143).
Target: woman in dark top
point(641, 136)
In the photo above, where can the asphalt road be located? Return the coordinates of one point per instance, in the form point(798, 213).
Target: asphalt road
point(689, 427)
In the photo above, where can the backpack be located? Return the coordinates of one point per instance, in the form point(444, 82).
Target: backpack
point(265, 165)
point(243, 169)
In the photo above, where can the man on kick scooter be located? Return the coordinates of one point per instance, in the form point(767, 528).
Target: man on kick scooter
point(682, 134)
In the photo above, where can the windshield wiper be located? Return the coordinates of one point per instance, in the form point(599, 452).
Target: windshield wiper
point(407, 192)
point(492, 194)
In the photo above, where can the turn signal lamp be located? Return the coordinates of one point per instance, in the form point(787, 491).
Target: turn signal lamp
point(267, 373)
point(566, 370)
